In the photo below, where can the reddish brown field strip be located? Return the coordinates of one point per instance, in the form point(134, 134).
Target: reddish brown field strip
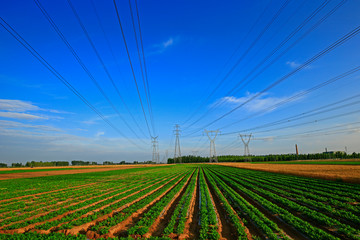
point(346, 173)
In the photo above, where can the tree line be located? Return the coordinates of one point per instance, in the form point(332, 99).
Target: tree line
point(268, 158)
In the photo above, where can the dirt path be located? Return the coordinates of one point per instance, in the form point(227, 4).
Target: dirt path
point(59, 172)
point(161, 222)
point(31, 226)
point(191, 230)
point(288, 230)
point(346, 173)
point(122, 227)
point(86, 226)
point(227, 232)
point(41, 193)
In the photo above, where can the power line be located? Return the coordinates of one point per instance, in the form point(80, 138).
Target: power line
point(333, 46)
point(33, 52)
point(290, 36)
point(87, 71)
point(132, 68)
point(277, 14)
point(306, 114)
point(298, 95)
point(227, 62)
point(141, 66)
point(117, 63)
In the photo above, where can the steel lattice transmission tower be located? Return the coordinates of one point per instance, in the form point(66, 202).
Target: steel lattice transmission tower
point(155, 155)
point(177, 153)
point(212, 136)
point(246, 140)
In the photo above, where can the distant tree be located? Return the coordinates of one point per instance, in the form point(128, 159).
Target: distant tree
point(17, 165)
point(3, 165)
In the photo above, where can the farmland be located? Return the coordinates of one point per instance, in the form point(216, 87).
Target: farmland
point(187, 201)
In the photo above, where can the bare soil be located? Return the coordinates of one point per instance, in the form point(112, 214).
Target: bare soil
point(62, 171)
point(161, 222)
point(345, 173)
point(191, 230)
point(122, 227)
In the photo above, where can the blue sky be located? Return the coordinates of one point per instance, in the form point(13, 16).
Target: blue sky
point(189, 48)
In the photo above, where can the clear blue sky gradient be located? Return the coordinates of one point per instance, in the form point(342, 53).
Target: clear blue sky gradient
point(187, 45)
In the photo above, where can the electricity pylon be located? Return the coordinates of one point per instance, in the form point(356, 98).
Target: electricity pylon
point(212, 136)
point(165, 156)
point(177, 153)
point(246, 143)
point(155, 155)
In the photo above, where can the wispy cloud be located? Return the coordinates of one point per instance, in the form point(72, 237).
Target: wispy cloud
point(25, 116)
point(293, 64)
point(264, 102)
point(168, 43)
point(25, 110)
point(99, 134)
point(5, 124)
point(17, 105)
point(162, 47)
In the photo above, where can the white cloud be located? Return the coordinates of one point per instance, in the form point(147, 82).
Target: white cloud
point(261, 103)
point(18, 109)
point(160, 48)
point(25, 116)
point(293, 64)
point(99, 134)
point(17, 105)
point(168, 43)
point(17, 125)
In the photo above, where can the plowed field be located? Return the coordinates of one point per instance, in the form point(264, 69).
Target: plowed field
point(185, 201)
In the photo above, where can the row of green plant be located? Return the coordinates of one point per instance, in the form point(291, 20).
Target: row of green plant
point(142, 226)
point(137, 202)
point(66, 210)
point(234, 218)
point(254, 216)
point(301, 197)
point(316, 216)
point(208, 218)
point(298, 223)
point(92, 212)
point(181, 210)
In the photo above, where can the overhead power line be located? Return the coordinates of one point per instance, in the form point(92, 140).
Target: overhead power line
point(253, 44)
point(131, 65)
point(298, 95)
point(143, 69)
point(33, 52)
point(241, 44)
point(290, 36)
point(325, 51)
point(87, 71)
point(310, 113)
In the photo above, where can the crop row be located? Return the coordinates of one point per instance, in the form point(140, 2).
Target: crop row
point(277, 201)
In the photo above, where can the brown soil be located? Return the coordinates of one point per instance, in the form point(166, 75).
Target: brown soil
point(63, 171)
point(161, 222)
point(31, 226)
point(41, 193)
point(86, 226)
point(131, 221)
point(41, 209)
point(227, 231)
point(288, 229)
point(346, 173)
point(191, 230)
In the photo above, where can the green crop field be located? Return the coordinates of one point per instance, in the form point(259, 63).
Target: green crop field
point(178, 202)
point(332, 162)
